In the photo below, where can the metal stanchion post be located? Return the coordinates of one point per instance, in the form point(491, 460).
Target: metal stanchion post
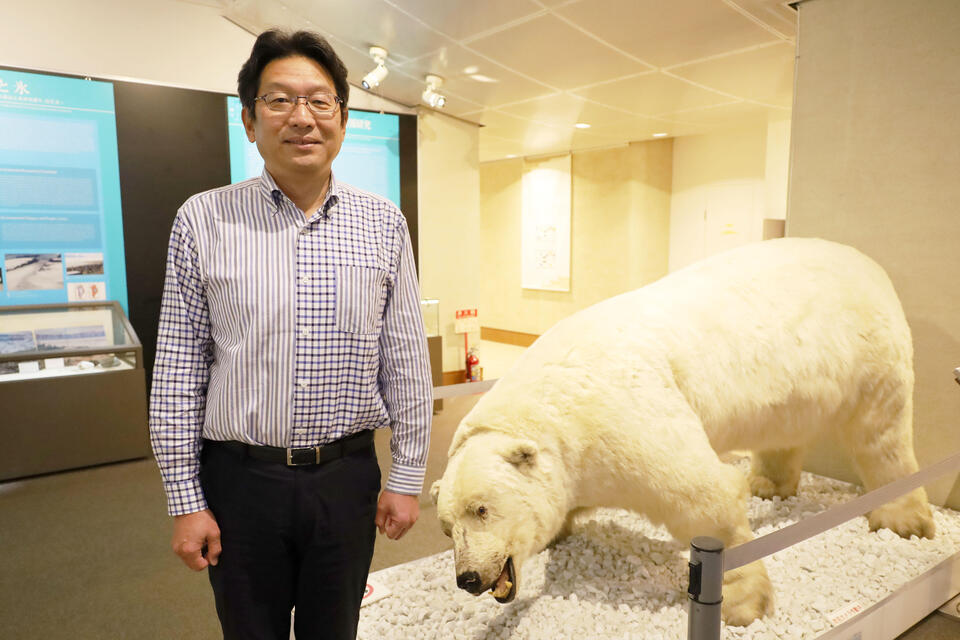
point(705, 592)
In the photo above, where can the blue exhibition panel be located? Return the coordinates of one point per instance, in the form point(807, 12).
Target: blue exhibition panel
point(61, 229)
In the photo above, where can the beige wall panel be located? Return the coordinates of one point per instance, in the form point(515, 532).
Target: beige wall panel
point(620, 229)
point(449, 217)
point(501, 199)
point(876, 155)
point(705, 169)
point(651, 189)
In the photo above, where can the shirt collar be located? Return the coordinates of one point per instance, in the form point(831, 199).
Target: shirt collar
point(272, 192)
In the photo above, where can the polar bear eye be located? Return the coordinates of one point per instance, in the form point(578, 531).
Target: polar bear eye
point(482, 511)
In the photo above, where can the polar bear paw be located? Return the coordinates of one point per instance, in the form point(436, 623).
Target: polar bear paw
point(766, 488)
point(747, 594)
point(906, 516)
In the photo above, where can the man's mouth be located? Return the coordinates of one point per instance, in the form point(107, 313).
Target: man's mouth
point(303, 142)
point(504, 590)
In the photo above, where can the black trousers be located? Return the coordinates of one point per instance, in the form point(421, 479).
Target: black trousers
point(292, 537)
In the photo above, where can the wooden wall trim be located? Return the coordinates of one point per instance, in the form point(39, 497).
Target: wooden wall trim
point(454, 377)
point(507, 337)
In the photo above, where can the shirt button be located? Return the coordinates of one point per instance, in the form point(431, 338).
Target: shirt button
point(302, 384)
point(304, 280)
point(304, 231)
point(304, 333)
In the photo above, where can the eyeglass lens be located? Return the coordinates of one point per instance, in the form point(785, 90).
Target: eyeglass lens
point(321, 103)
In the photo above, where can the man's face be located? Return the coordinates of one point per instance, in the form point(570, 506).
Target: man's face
point(295, 145)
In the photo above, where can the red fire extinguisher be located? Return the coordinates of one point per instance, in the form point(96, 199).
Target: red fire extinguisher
point(474, 371)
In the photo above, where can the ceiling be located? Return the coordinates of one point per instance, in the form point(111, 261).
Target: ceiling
point(529, 70)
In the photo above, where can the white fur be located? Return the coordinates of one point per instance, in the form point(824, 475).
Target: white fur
point(627, 404)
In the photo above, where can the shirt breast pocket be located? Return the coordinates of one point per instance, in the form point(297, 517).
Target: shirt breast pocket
point(361, 292)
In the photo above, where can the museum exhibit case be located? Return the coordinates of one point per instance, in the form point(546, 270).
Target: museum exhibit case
point(430, 310)
point(72, 386)
point(620, 577)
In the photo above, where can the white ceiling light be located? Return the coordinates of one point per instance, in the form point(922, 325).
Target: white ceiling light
point(430, 95)
point(582, 125)
point(660, 135)
point(375, 77)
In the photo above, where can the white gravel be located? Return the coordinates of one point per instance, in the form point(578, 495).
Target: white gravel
point(619, 577)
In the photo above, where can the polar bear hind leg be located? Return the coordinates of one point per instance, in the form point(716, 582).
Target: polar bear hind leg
point(776, 472)
point(880, 440)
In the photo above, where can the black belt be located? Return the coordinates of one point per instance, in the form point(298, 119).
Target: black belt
point(297, 457)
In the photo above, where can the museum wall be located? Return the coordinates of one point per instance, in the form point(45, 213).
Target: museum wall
point(172, 42)
point(619, 227)
point(875, 160)
point(724, 185)
point(450, 264)
point(168, 42)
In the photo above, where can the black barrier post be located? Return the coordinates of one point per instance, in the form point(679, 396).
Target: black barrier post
point(705, 592)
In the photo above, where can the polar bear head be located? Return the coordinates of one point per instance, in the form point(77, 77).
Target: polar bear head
point(501, 500)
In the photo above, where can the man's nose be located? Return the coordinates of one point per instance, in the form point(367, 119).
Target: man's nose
point(301, 113)
point(469, 581)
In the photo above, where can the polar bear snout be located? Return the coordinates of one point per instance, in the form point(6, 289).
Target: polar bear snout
point(470, 581)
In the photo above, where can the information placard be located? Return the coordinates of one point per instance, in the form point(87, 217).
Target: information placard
point(61, 229)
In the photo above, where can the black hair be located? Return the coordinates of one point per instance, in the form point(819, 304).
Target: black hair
point(275, 44)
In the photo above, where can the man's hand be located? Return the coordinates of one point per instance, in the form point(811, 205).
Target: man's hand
point(191, 533)
point(396, 513)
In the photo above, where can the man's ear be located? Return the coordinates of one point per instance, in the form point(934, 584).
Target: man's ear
point(248, 124)
point(435, 491)
point(522, 454)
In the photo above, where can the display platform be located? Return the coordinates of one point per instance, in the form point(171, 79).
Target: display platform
point(72, 388)
point(619, 577)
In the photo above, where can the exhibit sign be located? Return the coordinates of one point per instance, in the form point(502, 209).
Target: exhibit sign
point(61, 229)
point(466, 321)
point(545, 229)
point(369, 158)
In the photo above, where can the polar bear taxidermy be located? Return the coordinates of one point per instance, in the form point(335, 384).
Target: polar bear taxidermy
point(629, 402)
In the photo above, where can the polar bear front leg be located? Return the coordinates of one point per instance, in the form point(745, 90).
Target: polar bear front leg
point(573, 516)
point(775, 472)
point(747, 594)
point(715, 504)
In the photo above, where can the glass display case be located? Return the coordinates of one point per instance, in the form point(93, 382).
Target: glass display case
point(430, 310)
point(72, 386)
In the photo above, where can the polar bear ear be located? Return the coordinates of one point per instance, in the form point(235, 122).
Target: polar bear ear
point(435, 491)
point(522, 454)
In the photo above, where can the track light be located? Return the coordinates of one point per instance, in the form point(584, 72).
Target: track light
point(430, 95)
point(375, 77)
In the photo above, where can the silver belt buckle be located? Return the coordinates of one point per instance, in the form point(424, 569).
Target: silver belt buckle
point(316, 457)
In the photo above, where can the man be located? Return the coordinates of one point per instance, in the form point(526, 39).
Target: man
point(290, 329)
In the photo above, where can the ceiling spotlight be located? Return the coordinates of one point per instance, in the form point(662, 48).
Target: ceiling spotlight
point(430, 95)
point(582, 125)
point(660, 135)
point(375, 77)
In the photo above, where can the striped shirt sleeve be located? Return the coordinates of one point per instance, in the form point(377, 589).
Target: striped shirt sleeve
point(181, 374)
point(404, 378)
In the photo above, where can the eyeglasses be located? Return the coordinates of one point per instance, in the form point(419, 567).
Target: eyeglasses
point(321, 104)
